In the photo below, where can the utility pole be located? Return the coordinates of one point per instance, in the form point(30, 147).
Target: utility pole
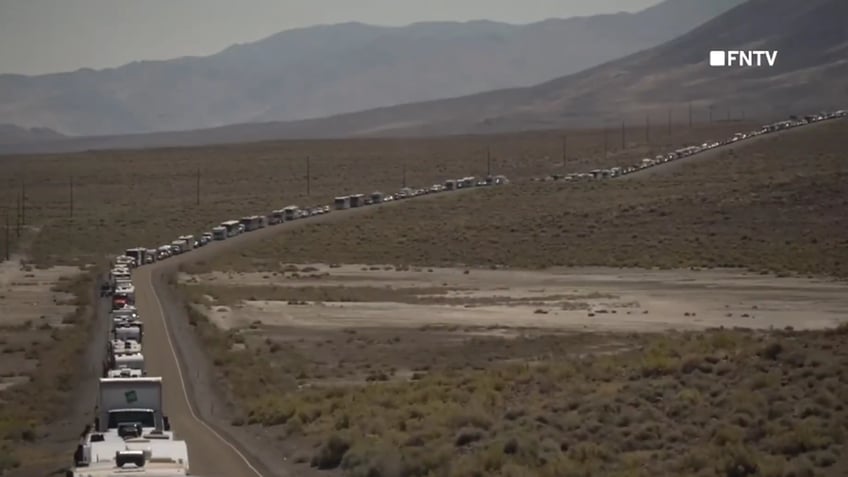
point(18, 216)
point(648, 128)
point(308, 178)
point(197, 188)
point(669, 121)
point(564, 150)
point(23, 202)
point(488, 161)
point(605, 140)
point(690, 114)
point(623, 135)
point(71, 201)
point(8, 245)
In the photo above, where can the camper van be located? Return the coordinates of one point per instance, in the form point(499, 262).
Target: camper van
point(291, 212)
point(277, 217)
point(341, 203)
point(232, 227)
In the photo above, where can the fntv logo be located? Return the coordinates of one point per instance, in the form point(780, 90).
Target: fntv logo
point(742, 58)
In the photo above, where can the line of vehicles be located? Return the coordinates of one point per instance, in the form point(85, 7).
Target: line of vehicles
point(647, 162)
point(231, 228)
point(131, 434)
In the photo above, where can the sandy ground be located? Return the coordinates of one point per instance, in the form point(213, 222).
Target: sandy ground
point(26, 294)
point(580, 299)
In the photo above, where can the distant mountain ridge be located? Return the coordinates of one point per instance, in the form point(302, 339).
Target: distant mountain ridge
point(811, 74)
point(326, 70)
point(11, 134)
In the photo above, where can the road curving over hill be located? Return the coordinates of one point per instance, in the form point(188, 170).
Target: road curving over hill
point(216, 449)
point(671, 166)
point(189, 382)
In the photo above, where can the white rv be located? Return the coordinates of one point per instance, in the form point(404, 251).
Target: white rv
point(124, 373)
point(357, 200)
point(291, 212)
point(232, 227)
point(219, 233)
point(341, 202)
point(128, 361)
point(138, 255)
point(128, 331)
point(189, 242)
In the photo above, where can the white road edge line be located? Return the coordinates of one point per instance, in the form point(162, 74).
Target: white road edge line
point(182, 383)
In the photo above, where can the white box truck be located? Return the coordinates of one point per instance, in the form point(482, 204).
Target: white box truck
point(130, 401)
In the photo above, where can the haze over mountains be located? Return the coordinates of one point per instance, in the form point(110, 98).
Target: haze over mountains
point(811, 73)
point(326, 70)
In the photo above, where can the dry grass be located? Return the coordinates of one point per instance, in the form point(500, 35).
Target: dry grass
point(129, 198)
point(724, 403)
point(719, 403)
point(28, 410)
point(778, 205)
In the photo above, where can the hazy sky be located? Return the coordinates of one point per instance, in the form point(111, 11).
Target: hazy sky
point(45, 36)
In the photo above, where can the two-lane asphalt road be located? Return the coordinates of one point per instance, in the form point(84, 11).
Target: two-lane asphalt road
point(210, 454)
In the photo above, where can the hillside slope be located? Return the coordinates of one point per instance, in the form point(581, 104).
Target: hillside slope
point(811, 73)
point(326, 70)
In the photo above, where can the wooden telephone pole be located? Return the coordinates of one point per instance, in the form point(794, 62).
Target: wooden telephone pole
point(669, 121)
point(605, 141)
point(489, 162)
point(6, 231)
point(308, 177)
point(648, 129)
point(623, 135)
point(71, 198)
point(690, 114)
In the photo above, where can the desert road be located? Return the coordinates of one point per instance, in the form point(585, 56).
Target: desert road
point(188, 397)
point(179, 360)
